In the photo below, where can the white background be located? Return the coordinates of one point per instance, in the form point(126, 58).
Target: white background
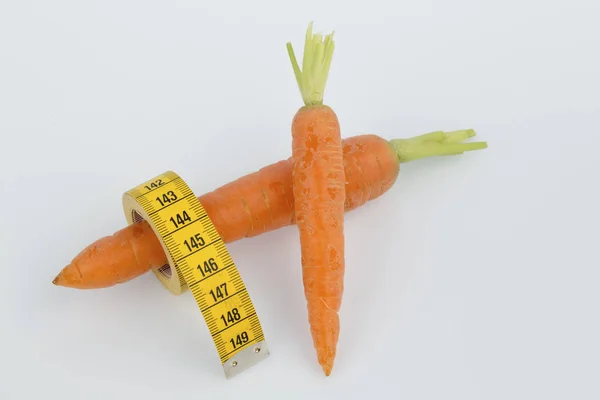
point(474, 277)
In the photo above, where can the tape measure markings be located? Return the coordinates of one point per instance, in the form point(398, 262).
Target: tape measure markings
point(205, 246)
point(152, 185)
point(227, 327)
point(170, 204)
point(199, 256)
point(197, 282)
point(169, 233)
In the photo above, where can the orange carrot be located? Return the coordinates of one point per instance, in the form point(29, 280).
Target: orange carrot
point(318, 182)
point(257, 203)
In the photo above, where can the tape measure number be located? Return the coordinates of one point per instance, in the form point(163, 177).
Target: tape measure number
point(198, 254)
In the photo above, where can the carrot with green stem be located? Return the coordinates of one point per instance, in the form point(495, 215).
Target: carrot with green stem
point(257, 203)
point(318, 182)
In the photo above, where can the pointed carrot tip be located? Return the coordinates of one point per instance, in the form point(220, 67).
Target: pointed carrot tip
point(327, 367)
point(70, 276)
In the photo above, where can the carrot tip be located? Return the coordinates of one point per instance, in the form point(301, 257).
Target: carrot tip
point(70, 276)
point(327, 367)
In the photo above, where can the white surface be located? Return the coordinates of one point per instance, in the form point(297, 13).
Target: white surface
point(474, 277)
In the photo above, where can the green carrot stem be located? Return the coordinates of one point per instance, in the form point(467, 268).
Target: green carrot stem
point(316, 61)
point(446, 137)
point(435, 144)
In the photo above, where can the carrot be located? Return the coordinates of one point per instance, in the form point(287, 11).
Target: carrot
point(318, 182)
point(257, 203)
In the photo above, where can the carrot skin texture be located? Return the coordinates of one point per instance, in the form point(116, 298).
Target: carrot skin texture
point(318, 183)
point(371, 167)
point(253, 204)
point(114, 259)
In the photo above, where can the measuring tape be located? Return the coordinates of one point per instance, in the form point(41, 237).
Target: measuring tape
point(202, 264)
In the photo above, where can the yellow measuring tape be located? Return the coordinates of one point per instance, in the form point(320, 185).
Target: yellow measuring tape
point(202, 264)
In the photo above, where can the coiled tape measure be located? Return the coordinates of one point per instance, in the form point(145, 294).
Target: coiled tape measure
point(202, 265)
